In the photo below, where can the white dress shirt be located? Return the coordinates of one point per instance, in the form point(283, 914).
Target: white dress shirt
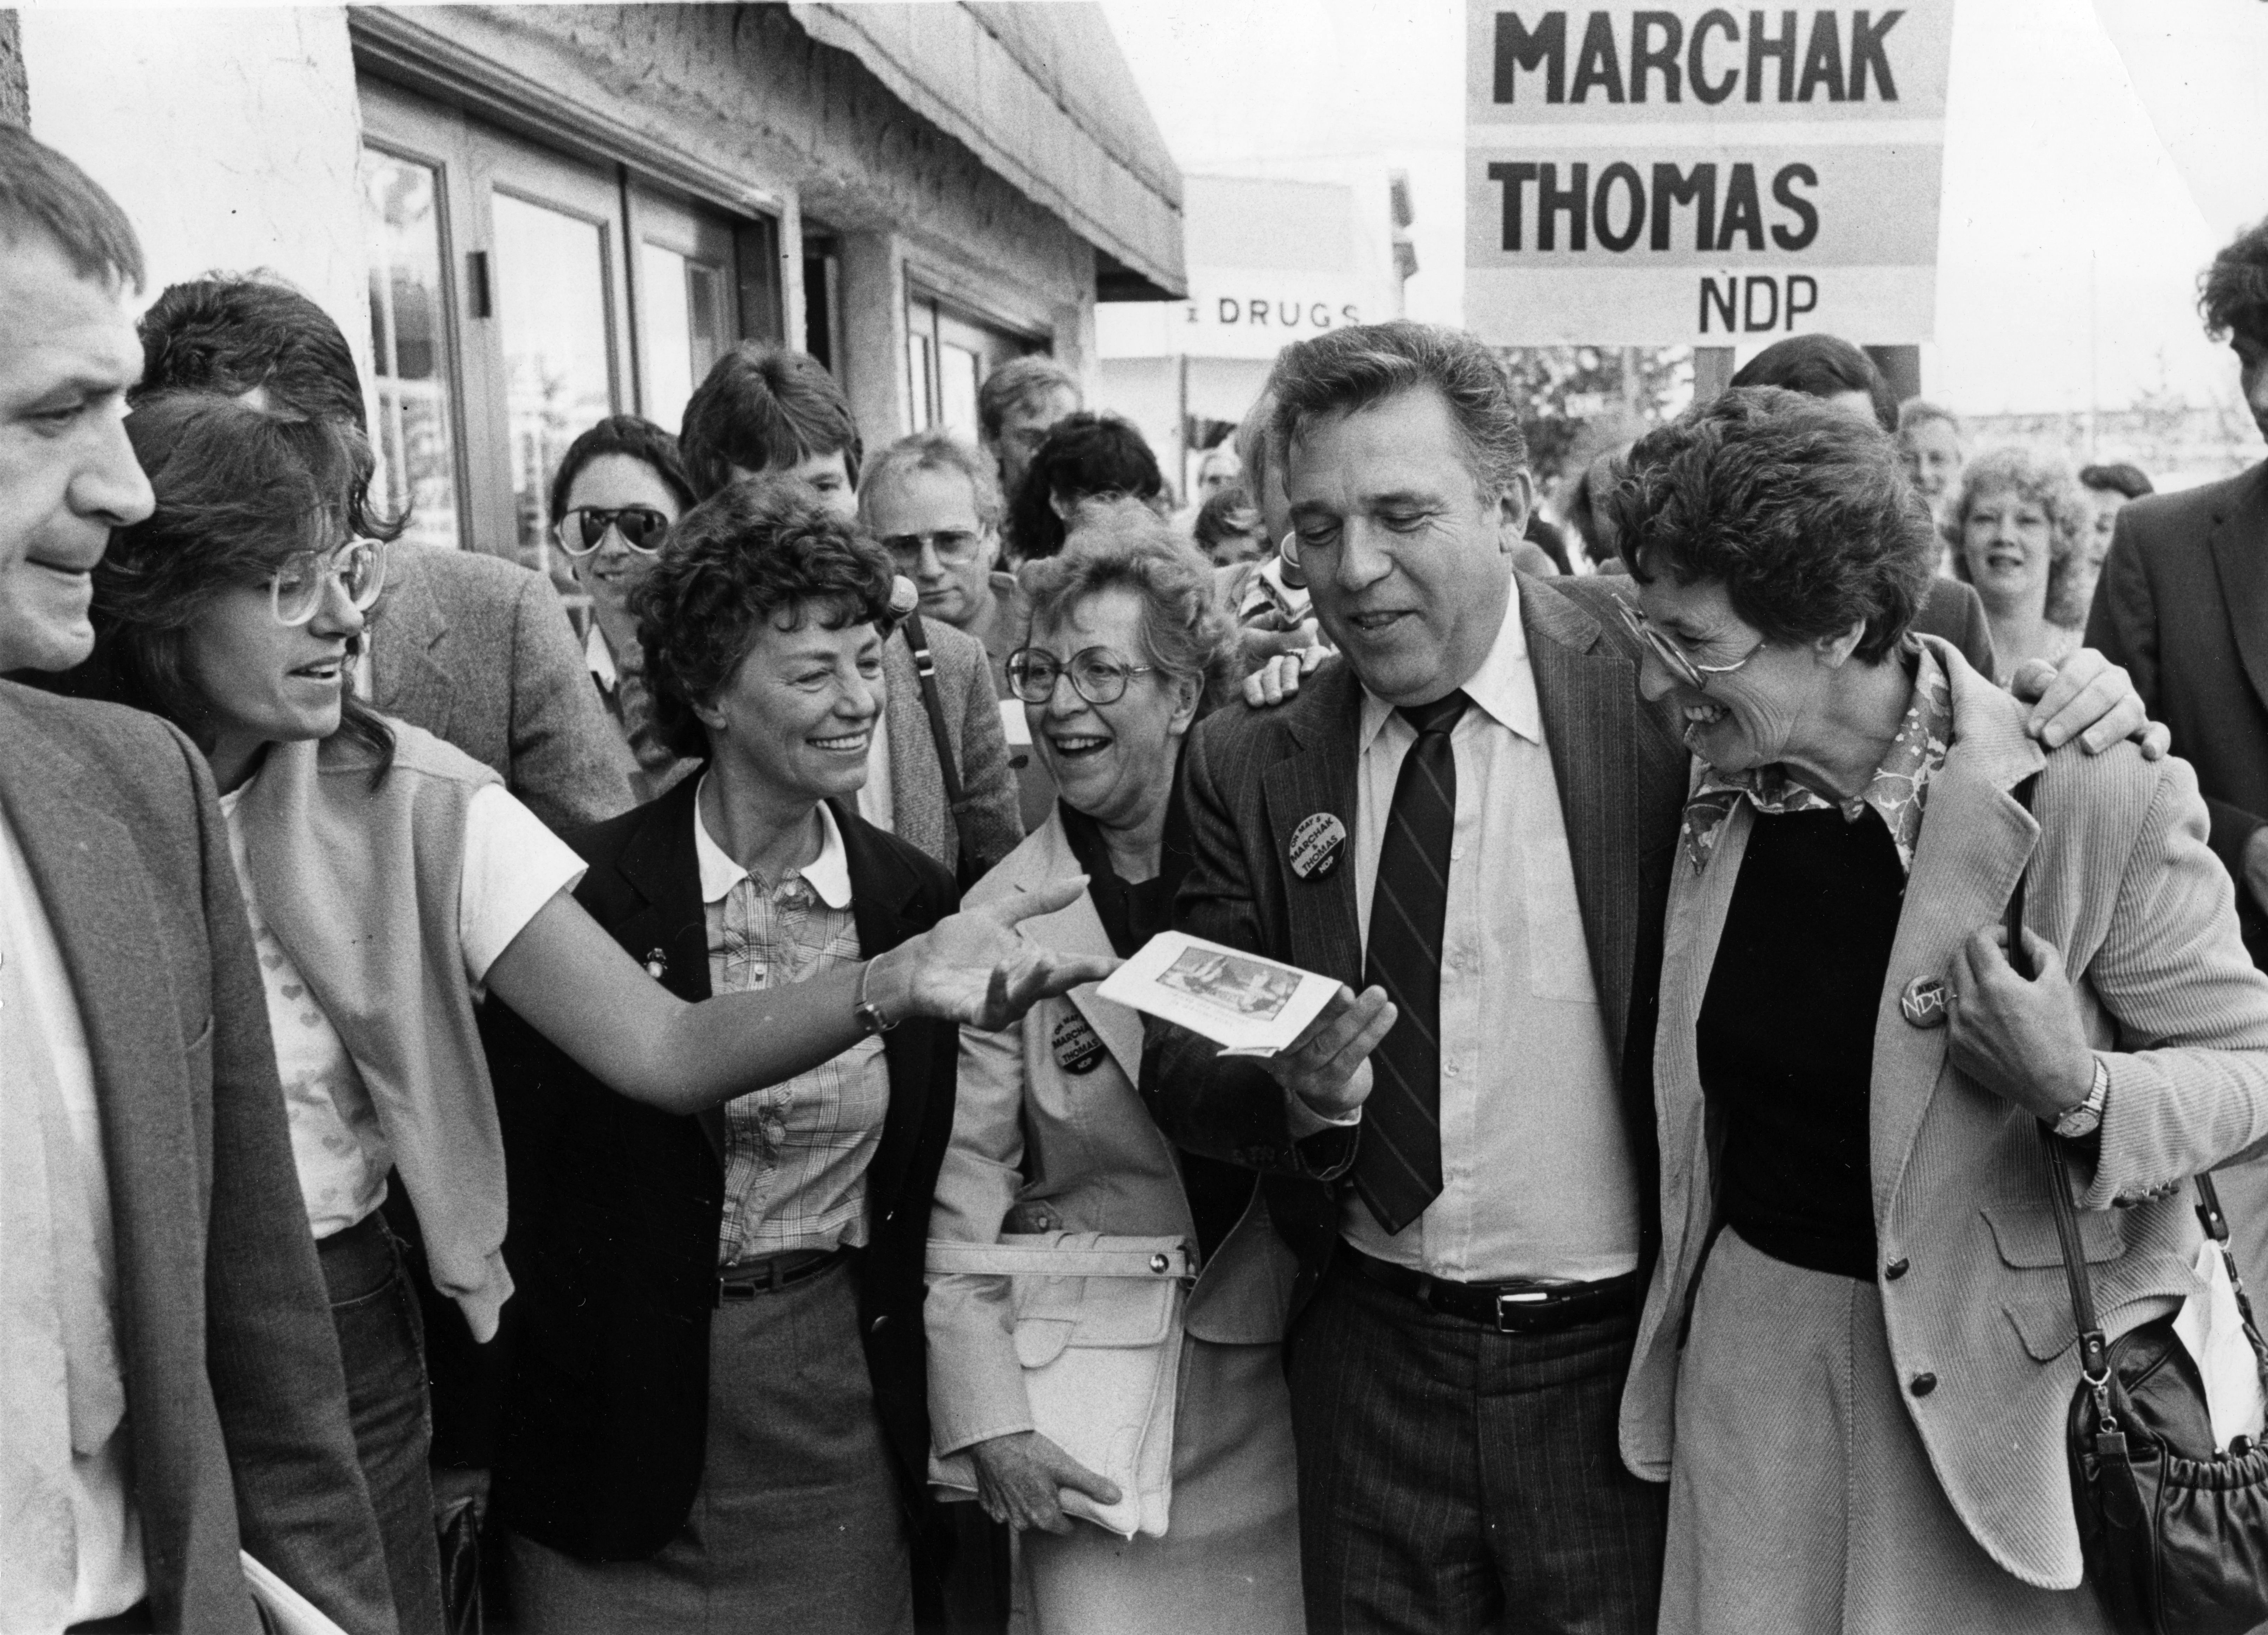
point(1537, 1179)
point(98, 1570)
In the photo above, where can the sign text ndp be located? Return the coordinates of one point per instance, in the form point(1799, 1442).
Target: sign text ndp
point(1654, 175)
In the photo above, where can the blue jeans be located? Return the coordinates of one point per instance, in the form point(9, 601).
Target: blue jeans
point(381, 1342)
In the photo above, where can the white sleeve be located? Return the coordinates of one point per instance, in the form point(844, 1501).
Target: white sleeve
point(513, 866)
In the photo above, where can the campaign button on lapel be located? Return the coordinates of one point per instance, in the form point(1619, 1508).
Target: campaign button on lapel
point(1316, 845)
point(1927, 1002)
point(1078, 1046)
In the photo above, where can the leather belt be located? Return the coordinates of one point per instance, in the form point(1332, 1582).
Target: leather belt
point(1523, 1306)
point(746, 1280)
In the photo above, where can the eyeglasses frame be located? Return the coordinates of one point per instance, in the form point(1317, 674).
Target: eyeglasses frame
point(1064, 671)
point(328, 565)
point(1679, 664)
point(612, 514)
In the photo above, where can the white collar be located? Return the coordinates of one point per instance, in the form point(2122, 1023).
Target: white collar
point(1504, 687)
point(828, 874)
point(599, 657)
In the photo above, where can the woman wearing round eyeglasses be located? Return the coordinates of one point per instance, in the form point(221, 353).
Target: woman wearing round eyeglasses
point(1126, 646)
point(391, 882)
point(620, 488)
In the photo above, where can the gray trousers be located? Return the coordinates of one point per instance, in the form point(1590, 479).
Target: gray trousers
point(796, 1527)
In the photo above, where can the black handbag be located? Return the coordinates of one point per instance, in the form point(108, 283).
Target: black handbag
point(2173, 1534)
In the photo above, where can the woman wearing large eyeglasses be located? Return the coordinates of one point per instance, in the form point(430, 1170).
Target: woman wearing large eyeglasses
point(1126, 643)
point(619, 490)
point(391, 882)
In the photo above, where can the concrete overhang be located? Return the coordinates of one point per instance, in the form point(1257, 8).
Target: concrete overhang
point(1042, 96)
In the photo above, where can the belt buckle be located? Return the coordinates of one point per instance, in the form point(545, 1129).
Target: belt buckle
point(1512, 1303)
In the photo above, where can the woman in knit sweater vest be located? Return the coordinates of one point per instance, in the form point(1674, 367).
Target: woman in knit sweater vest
point(393, 882)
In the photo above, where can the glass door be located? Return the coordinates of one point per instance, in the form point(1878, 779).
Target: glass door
point(688, 283)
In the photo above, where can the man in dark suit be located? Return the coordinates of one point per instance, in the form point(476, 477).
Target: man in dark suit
point(1470, 819)
point(167, 1361)
point(474, 649)
point(2183, 603)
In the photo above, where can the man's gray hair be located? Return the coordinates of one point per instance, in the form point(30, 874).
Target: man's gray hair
point(1018, 382)
point(44, 194)
point(1344, 370)
point(933, 451)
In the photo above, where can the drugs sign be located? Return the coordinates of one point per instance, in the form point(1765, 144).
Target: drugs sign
point(1695, 174)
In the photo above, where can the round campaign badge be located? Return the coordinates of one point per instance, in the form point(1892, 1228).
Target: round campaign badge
point(1927, 1002)
point(1316, 845)
point(1078, 1046)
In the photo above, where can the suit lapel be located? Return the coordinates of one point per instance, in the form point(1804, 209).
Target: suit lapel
point(408, 678)
point(882, 888)
point(1320, 779)
point(2240, 557)
point(1974, 844)
point(100, 902)
point(1588, 696)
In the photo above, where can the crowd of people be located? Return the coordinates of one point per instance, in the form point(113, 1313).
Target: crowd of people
point(637, 1106)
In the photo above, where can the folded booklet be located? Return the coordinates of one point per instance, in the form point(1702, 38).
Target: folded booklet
point(1254, 1007)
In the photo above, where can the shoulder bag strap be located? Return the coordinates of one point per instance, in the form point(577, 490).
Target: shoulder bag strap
point(2094, 1351)
point(925, 667)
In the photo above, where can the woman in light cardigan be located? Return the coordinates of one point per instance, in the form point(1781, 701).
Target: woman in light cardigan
point(1856, 1358)
point(1050, 1133)
point(392, 881)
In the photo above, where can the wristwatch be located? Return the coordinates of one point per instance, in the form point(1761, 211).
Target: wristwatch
point(870, 1017)
point(2086, 1118)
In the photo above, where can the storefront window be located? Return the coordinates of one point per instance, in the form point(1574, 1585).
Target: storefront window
point(683, 302)
point(551, 308)
point(417, 451)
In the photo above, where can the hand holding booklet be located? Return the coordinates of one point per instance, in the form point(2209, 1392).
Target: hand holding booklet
point(1252, 1005)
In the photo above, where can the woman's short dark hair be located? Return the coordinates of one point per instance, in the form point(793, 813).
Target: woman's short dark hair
point(1821, 365)
point(233, 333)
point(753, 553)
point(2233, 292)
point(762, 407)
point(1186, 633)
point(2131, 481)
point(1342, 370)
point(622, 434)
point(1802, 512)
point(237, 490)
point(1085, 454)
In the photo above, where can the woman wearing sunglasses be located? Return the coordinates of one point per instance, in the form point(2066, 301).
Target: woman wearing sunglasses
point(620, 489)
point(392, 883)
point(1127, 644)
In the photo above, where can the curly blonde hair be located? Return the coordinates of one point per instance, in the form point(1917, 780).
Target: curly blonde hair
point(1123, 544)
point(2046, 482)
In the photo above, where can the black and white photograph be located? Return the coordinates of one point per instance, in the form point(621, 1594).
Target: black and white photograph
point(1133, 817)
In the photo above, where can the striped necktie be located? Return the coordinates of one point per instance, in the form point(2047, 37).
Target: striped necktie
point(1397, 1169)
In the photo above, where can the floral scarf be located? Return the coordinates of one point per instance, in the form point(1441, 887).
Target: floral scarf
point(1898, 792)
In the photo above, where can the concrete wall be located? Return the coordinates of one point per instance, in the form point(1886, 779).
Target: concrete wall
point(230, 137)
point(755, 100)
point(15, 99)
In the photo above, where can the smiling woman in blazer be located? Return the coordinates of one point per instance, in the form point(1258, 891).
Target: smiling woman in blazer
point(1126, 643)
point(1856, 1358)
point(687, 1440)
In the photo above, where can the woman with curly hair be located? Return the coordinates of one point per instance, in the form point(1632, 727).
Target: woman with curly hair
point(2018, 529)
point(1128, 644)
point(394, 886)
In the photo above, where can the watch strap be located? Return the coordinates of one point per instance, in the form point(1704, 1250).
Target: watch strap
point(2086, 1118)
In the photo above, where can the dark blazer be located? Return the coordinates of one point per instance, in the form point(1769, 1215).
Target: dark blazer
point(1952, 611)
point(2183, 603)
point(615, 1208)
point(478, 651)
point(1252, 775)
point(234, 1394)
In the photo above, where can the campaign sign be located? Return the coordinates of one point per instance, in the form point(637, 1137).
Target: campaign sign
point(1693, 174)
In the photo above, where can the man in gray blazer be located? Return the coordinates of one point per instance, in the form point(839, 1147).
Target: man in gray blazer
point(1472, 821)
point(167, 1361)
point(474, 649)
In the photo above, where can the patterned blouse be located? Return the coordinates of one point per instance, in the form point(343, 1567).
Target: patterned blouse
point(1897, 793)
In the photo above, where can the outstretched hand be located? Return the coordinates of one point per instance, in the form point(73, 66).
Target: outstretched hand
point(977, 969)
